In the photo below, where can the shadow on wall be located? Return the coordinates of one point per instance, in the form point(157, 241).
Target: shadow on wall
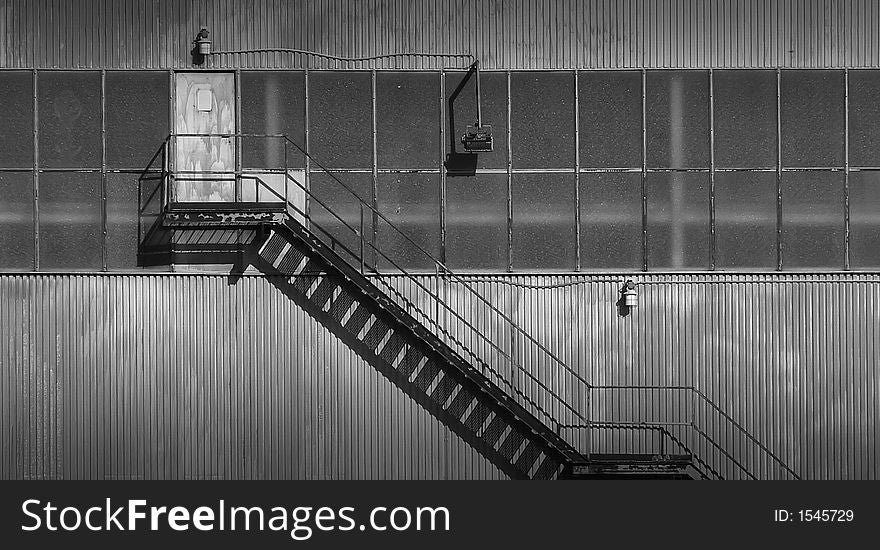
point(161, 246)
point(405, 361)
point(463, 164)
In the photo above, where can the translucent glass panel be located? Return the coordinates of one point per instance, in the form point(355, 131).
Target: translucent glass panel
point(407, 120)
point(543, 221)
point(812, 220)
point(610, 117)
point(678, 220)
point(745, 119)
point(70, 220)
point(411, 202)
point(476, 222)
point(542, 119)
point(122, 220)
point(745, 219)
point(864, 219)
point(17, 128)
point(195, 187)
point(269, 187)
point(136, 110)
point(339, 194)
point(461, 110)
point(340, 119)
point(16, 220)
point(677, 119)
point(864, 118)
point(272, 102)
point(70, 119)
point(611, 220)
point(812, 118)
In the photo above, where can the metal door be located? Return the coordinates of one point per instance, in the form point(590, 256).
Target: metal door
point(204, 142)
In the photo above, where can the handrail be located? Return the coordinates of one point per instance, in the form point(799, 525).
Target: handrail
point(663, 431)
point(410, 305)
point(443, 270)
point(528, 336)
point(714, 406)
point(548, 416)
point(440, 264)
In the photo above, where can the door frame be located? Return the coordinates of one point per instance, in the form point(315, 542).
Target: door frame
point(172, 115)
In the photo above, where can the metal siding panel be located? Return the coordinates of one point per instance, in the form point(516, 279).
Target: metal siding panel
point(536, 34)
point(150, 376)
point(184, 377)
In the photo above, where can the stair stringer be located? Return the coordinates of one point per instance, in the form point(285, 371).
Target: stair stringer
point(404, 351)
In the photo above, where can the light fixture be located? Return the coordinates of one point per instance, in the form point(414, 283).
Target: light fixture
point(478, 138)
point(203, 45)
point(630, 296)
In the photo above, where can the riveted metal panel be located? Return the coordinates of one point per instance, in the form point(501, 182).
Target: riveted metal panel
point(189, 376)
point(539, 34)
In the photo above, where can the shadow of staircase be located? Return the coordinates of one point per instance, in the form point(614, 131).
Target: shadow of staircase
point(305, 270)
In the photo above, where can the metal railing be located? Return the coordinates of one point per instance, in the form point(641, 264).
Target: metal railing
point(533, 375)
point(206, 168)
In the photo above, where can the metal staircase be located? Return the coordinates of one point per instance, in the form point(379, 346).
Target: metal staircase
point(403, 349)
point(509, 397)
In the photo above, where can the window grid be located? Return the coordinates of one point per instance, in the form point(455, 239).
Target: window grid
point(578, 169)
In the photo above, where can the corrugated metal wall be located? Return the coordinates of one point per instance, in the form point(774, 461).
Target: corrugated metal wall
point(175, 376)
point(189, 377)
point(535, 34)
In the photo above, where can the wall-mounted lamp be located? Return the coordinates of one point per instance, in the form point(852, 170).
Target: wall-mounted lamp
point(478, 137)
point(630, 296)
point(203, 45)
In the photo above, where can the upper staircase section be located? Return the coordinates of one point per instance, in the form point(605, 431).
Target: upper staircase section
point(489, 378)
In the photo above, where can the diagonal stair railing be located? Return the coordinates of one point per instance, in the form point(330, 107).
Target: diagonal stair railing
point(580, 412)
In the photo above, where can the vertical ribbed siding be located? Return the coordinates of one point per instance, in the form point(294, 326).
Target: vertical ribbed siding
point(790, 358)
point(187, 376)
point(537, 34)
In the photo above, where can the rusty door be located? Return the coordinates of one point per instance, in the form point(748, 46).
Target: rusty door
point(204, 124)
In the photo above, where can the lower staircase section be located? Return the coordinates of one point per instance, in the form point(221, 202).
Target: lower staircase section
point(412, 357)
point(635, 466)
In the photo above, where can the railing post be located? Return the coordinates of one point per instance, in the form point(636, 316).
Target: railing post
point(164, 174)
point(589, 415)
point(238, 166)
point(172, 152)
point(361, 238)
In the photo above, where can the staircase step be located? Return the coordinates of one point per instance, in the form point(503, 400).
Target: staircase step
point(303, 283)
point(461, 402)
point(358, 319)
point(376, 334)
point(273, 247)
point(528, 457)
point(427, 375)
point(410, 362)
point(511, 444)
point(392, 347)
point(443, 391)
point(494, 430)
point(291, 262)
point(340, 305)
point(323, 293)
point(548, 469)
point(430, 371)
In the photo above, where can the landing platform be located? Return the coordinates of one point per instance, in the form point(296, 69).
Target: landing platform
point(223, 214)
point(633, 466)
